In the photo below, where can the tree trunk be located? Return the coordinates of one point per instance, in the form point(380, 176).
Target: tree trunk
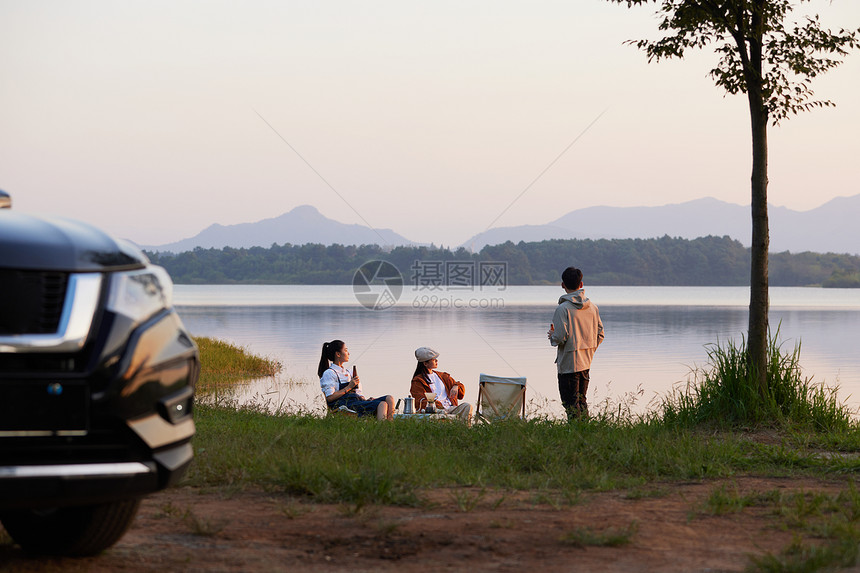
point(757, 342)
point(757, 358)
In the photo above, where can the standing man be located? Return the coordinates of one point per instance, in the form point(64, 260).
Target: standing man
point(576, 332)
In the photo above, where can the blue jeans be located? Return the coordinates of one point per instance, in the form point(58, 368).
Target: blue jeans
point(354, 402)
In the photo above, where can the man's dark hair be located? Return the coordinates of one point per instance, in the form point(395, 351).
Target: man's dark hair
point(571, 277)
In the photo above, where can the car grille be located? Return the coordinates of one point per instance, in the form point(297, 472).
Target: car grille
point(113, 443)
point(31, 302)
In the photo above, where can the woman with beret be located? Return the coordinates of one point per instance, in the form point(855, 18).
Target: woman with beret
point(448, 391)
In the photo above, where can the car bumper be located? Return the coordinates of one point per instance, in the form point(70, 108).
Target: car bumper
point(134, 438)
point(58, 485)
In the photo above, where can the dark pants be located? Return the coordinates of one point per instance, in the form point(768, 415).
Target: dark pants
point(354, 402)
point(573, 388)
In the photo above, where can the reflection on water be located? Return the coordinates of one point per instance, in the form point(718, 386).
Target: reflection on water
point(648, 348)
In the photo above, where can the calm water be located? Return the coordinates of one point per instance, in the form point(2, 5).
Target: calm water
point(654, 336)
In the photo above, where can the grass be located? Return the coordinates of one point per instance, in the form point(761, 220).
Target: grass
point(339, 460)
point(707, 431)
point(725, 394)
point(335, 459)
point(607, 537)
point(826, 531)
point(203, 527)
point(801, 557)
point(467, 501)
point(724, 500)
point(223, 363)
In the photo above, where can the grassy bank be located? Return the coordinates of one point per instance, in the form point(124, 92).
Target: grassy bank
point(715, 430)
point(340, 460)
point(223, 363)
point(361, 463)
point(712, 429)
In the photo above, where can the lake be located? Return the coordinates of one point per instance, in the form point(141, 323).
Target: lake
point(655, 336)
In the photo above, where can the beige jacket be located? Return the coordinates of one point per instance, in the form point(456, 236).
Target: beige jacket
point(577, 332)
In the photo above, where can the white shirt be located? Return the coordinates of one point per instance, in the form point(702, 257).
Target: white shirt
point(441, 392)
point(333, 377)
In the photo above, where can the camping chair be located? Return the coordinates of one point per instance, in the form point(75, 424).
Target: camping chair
point(500, 398)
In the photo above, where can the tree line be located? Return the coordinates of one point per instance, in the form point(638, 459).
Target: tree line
point(665, 261)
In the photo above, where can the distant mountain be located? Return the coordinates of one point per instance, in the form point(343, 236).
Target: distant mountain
point(302, 225)
point(831, 227)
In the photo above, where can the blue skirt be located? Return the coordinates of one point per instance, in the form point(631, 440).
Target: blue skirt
point(357, 404)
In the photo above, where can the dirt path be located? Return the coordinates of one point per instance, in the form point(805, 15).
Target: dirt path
point(191, 530)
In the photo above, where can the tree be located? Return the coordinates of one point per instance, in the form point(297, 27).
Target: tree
point(773, 62)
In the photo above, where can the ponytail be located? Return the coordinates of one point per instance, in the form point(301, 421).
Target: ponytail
point(329, 350)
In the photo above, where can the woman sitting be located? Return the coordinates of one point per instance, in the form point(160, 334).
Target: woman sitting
point(448, 391)
point(341, 388)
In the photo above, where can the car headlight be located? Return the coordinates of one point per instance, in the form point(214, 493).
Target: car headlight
point(139, 294)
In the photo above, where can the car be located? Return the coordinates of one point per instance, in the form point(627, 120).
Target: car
point(97, 377)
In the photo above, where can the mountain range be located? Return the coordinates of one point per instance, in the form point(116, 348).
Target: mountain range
point(832, 227)
point(304, 224)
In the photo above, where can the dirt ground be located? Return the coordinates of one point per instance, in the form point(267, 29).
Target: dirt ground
point(186, 529)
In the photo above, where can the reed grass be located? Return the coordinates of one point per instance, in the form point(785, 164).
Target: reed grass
point(223, 363)
point(726, 394)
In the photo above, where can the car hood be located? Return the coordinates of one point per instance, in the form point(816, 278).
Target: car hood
point(58, 244)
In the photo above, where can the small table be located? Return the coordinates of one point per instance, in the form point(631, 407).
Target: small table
point(425, 416)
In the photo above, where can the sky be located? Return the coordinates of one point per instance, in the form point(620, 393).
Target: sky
point(155, 119)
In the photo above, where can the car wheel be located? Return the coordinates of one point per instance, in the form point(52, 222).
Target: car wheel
point(73, 531)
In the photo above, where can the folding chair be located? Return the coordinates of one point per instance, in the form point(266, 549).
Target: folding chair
point(500, 397)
